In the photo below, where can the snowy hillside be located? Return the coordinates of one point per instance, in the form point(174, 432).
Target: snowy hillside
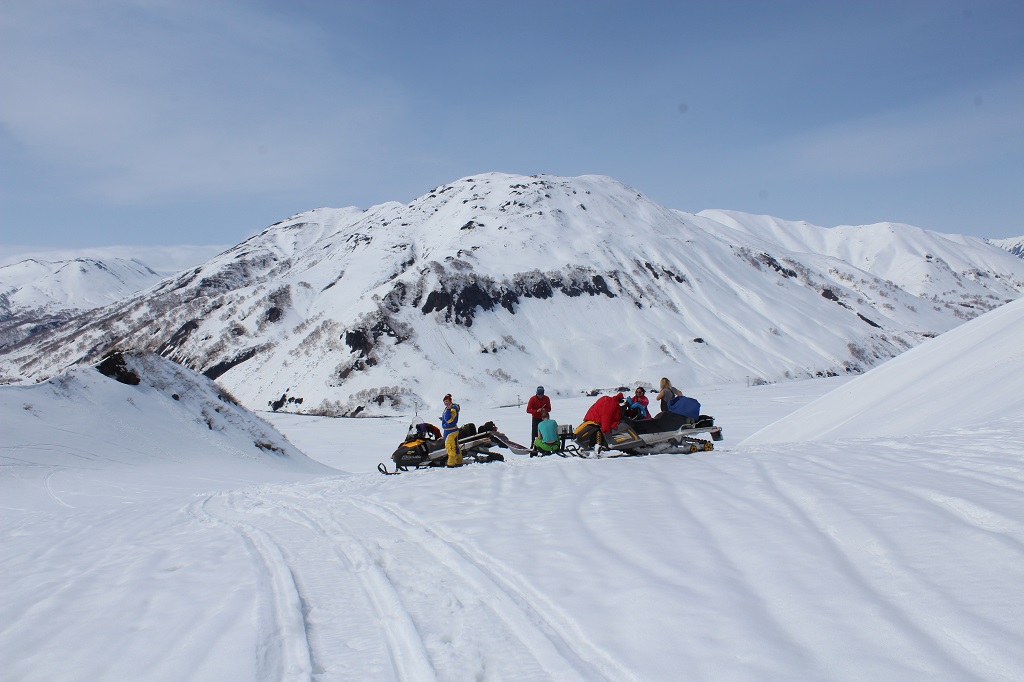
point(493, 284)
point(82, 283)
point(918, 261)
point(165, 260)
point(165, 419)
point(37, 294)
point(929, 388)
point(1014, 245)
point(874, 558)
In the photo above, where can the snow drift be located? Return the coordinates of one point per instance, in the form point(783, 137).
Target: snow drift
point(165, 424)
point(942, 383)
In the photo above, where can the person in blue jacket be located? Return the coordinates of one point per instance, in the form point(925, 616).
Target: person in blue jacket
point(450, 431)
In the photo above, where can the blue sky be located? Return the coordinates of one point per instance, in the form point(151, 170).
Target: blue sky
point(198, 122)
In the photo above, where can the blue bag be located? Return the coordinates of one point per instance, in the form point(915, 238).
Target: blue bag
point(688, 407)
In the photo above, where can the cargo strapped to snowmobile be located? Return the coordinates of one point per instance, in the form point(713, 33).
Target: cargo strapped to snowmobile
point(420, 450)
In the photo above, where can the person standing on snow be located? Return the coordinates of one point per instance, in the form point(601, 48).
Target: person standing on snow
point(450, 431)
point(534, 405)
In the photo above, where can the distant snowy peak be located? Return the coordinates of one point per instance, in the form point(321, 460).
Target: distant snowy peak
point(1014, 245)
point(919, 261)
point(78, 284)
point(38, 295)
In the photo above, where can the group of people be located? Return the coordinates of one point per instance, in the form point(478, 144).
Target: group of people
point(606, 412)
point(637, 404)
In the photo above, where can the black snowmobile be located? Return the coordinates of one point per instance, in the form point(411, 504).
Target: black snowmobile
point(667, 433)
point(423, 447)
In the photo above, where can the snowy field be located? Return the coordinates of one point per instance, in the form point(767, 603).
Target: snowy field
point(141, 544)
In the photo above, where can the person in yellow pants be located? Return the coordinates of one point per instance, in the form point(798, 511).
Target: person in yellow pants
point(450, 431)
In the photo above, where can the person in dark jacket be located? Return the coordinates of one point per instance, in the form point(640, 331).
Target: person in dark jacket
point(534, 405)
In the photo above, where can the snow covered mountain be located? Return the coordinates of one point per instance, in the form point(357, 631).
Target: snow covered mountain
point(1014, 245)
point(490, 285)
point(36, 294)
point(918, 261)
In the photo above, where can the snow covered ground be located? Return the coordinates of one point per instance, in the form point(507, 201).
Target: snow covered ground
point(145, 538)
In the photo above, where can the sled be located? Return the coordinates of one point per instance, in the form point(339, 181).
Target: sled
point(505, 442)
point(566, 448)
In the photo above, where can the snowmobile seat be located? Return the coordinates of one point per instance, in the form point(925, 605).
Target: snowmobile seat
point(664, 421)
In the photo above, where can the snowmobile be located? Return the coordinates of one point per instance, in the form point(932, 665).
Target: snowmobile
point(667, 433)
point(423, 447)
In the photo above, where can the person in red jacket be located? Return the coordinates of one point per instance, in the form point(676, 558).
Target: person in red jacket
point(606, 412)
point(534, 406)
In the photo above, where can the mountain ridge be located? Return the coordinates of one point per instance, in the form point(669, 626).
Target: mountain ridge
point(495, 283)
point(1014, 245)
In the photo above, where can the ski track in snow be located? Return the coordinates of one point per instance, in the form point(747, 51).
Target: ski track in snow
point(926, 614)
point(53, 495)
point(342, 556)
point(550, 636)
point(441, 607)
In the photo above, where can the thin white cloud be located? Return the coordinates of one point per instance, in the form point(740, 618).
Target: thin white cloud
point(959, 128)
point(152, 100)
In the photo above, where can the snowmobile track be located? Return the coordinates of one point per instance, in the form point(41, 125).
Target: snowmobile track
point(552, 638)
point(325, 561)
point(886, 582)
point(311, 578)
point(283, 650)
point(405, 645)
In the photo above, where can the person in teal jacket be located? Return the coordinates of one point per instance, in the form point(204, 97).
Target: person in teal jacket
point(547, 434)
point(450, 431)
